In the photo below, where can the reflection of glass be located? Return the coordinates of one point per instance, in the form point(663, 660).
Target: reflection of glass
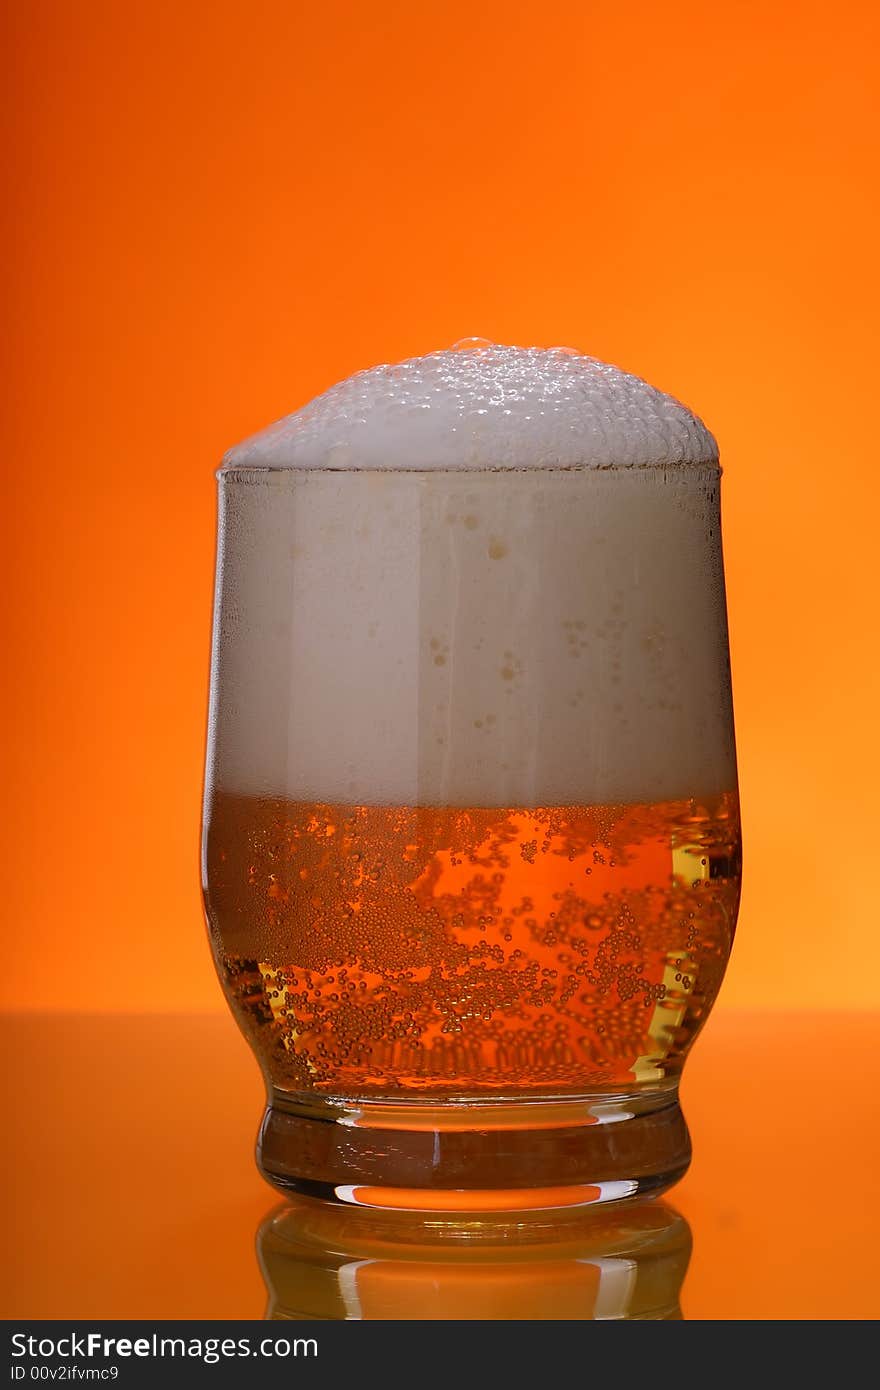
point(323, 1261)
point(471, 820)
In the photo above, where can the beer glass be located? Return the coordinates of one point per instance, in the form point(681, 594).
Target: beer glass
point(471, 846)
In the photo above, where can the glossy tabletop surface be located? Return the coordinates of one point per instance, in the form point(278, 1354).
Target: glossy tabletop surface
point(131, 1190)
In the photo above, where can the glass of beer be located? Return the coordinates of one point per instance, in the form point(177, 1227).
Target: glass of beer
point(471, 840)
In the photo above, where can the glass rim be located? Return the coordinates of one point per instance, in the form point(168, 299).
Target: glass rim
point(250, 473)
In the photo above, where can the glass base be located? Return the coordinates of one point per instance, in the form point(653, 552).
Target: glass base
point(478, 1157)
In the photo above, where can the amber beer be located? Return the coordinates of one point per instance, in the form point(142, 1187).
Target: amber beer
point(424, 951)
point(472, 833)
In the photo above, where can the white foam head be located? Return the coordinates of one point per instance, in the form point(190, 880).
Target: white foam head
point(481, 406)
point(484, 577)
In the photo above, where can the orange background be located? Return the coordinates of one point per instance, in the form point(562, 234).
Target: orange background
point(215, 210)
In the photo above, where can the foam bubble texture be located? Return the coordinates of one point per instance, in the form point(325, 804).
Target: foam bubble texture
point(484, 406)
point(532, 638)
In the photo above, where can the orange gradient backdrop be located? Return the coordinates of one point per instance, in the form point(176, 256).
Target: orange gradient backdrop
point(215, 210)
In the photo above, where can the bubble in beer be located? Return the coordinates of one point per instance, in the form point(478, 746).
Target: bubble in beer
point(472, 345)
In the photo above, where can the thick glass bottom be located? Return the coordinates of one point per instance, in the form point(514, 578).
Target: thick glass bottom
point(477, 1157)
